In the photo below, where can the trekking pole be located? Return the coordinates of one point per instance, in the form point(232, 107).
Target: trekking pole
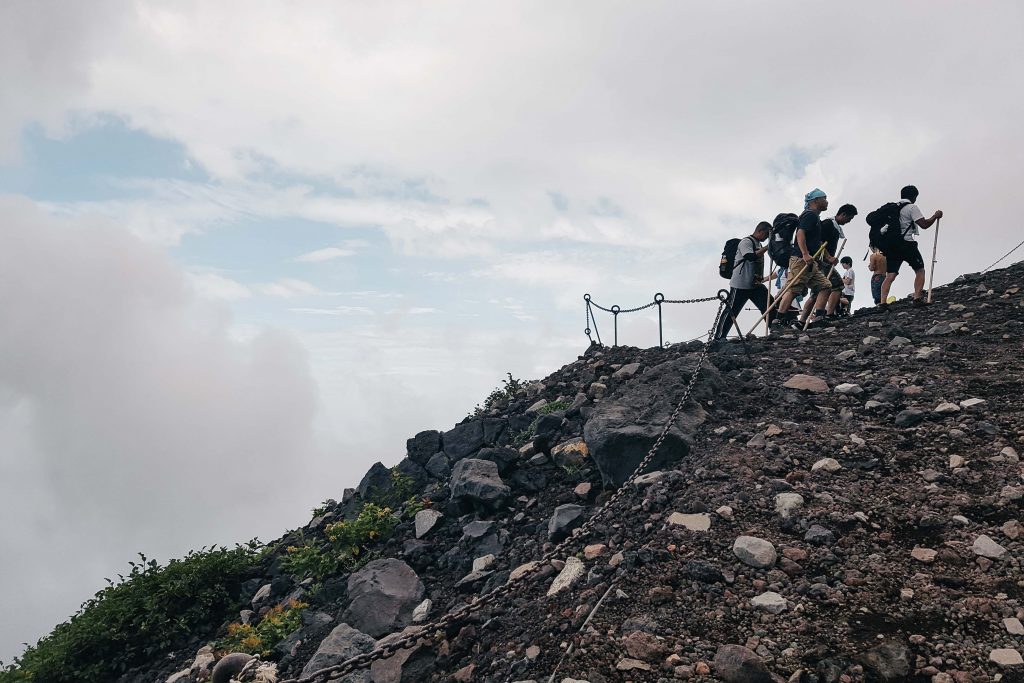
point(935, 248)
point(789, 285)
point(827, 277)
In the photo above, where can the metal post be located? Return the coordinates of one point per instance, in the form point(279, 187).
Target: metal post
point(658, 298)
point(615, 314)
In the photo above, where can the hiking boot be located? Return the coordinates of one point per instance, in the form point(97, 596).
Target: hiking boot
point(920, 303)
point(883, 307)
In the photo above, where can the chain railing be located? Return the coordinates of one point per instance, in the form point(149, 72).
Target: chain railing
point(428, 631)
point(616, 310)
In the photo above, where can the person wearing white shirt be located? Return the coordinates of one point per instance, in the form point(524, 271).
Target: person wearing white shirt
point(905, 249)
point(848, 282)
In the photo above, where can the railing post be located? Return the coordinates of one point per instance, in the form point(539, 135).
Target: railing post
point(658, 298)
point(615, 314)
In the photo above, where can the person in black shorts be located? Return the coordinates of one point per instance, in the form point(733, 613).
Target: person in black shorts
point(904, 247)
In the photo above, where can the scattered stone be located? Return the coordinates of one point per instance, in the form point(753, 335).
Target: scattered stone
point(626, 371)
point(819, 535)
point(939, 330)
point(1013, 626)
point(425, 521)
point(737, 664)
point(926, 555)
point(758, 441)
point(583, 490)
point(1005, 657)
point(909, 417)
point(770, 602)
point(594, 551)
point(573, 571)
point(787, 503)
point(972, 403)
point(755, 552)
point(847, 389)
point(827, 464)
point(694, 522)
point(890, 661)
point(564, 519)
point(807, 383)
point(946, 408)
point(344, 642)
point(477, 483)
point(422, 611)
point(986, 547)
point(844, 356)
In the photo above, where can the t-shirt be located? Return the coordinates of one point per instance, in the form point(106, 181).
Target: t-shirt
point(830, 234)
point(746, 269)
point(810, 223)
point(909, 214)
point(848, 289)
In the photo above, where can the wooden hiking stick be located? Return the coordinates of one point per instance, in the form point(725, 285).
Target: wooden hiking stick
point(789, 284)
point(827, 277)
point(935, 248)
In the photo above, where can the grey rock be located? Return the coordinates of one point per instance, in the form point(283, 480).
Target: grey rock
point(819, 535)
point(909, 417)
point(890, 661)
point(344, 642)
point(376, 483)
point(788, 503)
point(504, 458)
point(384, 594)
point(626, 371)
point(985, 547)
point(622, 430)
point(477, 483)
point(737, 664)
point(425, 521)
point(423, 446)
point(939, 330)
point(438, 466)
point(229, 665)
point(755, 552)
point(564, 519)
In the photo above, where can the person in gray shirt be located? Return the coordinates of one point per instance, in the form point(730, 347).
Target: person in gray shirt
point(747, 277)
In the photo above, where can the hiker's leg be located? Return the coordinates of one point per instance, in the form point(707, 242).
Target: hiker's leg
point(918, 283)
point(833, 301)
point(760, 298)
point(886, 284)
point(820, 302)
point(735, 305)
point(808, 305)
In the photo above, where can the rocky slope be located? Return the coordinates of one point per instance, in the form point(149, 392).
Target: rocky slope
point(841, 505)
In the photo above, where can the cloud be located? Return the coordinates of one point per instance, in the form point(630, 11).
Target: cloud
point(288, 288)
point(217, 287)
point(125, 401)
point(337, 310)
point(325, 254)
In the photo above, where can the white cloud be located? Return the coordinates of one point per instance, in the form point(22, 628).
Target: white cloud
point(337, 310)
point(325, 254)
point(126, 402)
point(217, 287)
point(288, 288)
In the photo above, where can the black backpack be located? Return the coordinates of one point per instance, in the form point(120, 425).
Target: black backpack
point(884, 224)
point(780, 241)
point(728, 262)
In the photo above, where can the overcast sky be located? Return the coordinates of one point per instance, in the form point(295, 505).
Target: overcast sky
point(249, 248)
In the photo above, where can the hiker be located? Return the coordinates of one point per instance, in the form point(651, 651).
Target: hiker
point(831, 233)
point(848, 277)
point(876, 264)
point(804, 269)
point(902, 248)
point(747, 278)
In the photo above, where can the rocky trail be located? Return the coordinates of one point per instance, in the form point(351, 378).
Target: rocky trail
point(837, 505)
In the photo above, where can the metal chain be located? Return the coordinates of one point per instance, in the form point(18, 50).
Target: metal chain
point(690, 301)
point(653, 303)
point(1003, 256)
point(478, 603)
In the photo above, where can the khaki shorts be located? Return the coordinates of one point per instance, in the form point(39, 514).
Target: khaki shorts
point(803, 275)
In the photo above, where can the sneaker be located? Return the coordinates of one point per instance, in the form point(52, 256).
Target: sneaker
point(920, 303)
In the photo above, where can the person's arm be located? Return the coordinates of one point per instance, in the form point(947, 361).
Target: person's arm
point(925, 223)
point(801, 241)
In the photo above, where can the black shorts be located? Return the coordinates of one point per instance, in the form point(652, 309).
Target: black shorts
point(908, 253)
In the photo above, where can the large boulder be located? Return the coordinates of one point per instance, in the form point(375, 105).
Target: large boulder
point(564, 519)
point(343, 643)
point(410, 665)
point(423, 446)
point(376, 484)
point(623, 428)
point(476, 483)
point(384, 593)
point(414, 473)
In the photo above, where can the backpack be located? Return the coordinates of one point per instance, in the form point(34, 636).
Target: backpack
point(780, 240)
point(728, 262)
point(884, 224)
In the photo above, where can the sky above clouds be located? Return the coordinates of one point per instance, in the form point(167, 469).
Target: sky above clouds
point(249, 248)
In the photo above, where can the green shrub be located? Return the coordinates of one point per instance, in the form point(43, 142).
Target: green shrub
point(506, 392)
point(347, 542)
point(152, 610)
point(276, 625)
